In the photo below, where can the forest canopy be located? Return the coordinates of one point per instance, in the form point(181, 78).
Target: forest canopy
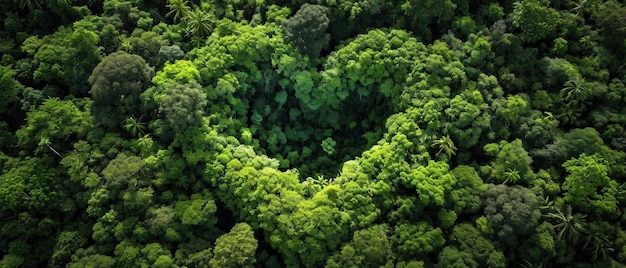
point(409, 133)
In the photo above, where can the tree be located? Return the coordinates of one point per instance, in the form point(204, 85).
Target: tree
point(55, 121)
point(588, 186)
point(445, 145)
point(181, 104)
point(9, 87)
point(236, 248)
point(306, 30)
point(474, 246)
point(369, 247)
point(511, 162)
point(421, 239)
point(199, 23)
point(536, 19)
point(179, 9)
point(597, 243)
point(466, 195)
point(570, 227)
point(116, 84)
point(610, 18)
point(135, 127)
point(575, 92)
point(467, 116)
point(512, 210)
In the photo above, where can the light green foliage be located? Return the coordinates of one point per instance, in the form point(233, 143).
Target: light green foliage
point(369, 247)
point(235, 249)
point(97, 260)
point(559, 47)
point(516, 107)
point(306, 29)
point(55, 121)
point(536, 19)
point(468, 117)
point(466, 194)
point(417, 239)
point(511, 157)
point(197, 211)
point(121, 170)
point(432, 182)
point(512, 210)
point(588, 186)
point(364, 65)
point(329, 145)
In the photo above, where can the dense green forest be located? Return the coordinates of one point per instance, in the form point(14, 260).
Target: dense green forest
point(334, 133)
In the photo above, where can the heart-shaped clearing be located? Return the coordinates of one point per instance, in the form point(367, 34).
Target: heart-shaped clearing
point(307, 119)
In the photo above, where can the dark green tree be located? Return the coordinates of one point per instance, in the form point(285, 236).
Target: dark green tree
point(116, 84)
point(306, 30)
point(512, 210)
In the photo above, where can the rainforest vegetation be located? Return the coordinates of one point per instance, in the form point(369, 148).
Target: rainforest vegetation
point(331, 133)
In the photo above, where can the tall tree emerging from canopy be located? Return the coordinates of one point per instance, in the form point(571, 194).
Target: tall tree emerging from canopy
point(306, 30)
point(116, 84)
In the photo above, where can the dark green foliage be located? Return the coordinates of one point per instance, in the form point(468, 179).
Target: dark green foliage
point(116, 84)
point(9, 87)
point(340, 133)
point(181, 104)
point(512, 210)
point(306, 30)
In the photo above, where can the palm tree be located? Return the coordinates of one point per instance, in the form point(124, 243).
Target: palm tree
point(179, 9)
point(598, 245)
point(446, 146)
point(511, 176)
point(579, 7)
point(569, 116)
point(31, 4)
point(135, 127)
point(199, 23)
point(145, 144)
point(570, 226)
point(586, 41)
point(575, 91)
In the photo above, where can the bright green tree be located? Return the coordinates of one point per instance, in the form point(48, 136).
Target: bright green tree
point(237, 248)
point(588, 186)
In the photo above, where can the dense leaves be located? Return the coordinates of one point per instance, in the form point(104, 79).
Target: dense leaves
point(339, 133)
